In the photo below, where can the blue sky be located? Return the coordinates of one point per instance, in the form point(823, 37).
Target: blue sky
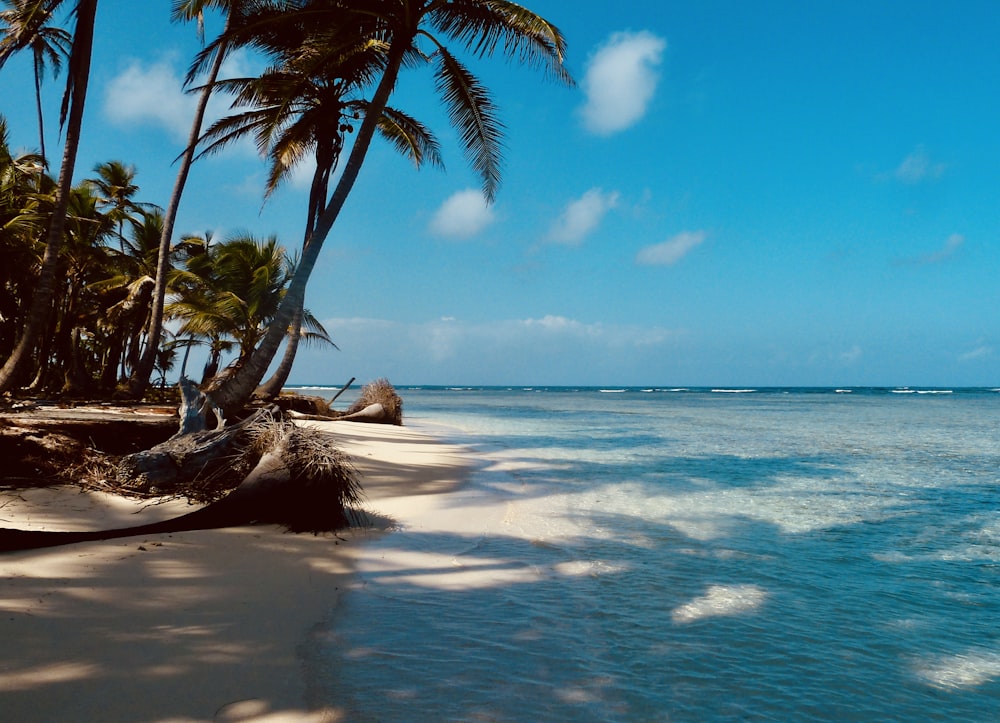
point(745, 194)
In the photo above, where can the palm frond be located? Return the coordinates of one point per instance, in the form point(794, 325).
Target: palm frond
point(474, 115)
point(410, 137)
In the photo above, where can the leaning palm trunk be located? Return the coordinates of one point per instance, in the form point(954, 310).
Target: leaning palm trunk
point(235, 391)
point(273, 386)
point(139, 380)
point(41, 302)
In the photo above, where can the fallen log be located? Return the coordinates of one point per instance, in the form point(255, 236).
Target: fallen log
point(302, 482)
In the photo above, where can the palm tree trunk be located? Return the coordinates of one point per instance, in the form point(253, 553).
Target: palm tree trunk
point(272, 387)
point(235, 391)
point(41, 302)
point(38, 109)
point(139, 380)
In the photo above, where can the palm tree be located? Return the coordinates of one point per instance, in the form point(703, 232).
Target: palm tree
point(24, 206)
point(183, 10)
point(115, 185)
point(72, 113)
point(295, 112)
point(129, 289)
point(414, 31)
point(230, 291)
point(49, 45)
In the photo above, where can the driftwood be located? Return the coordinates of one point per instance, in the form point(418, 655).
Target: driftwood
point(343, 389)
point(194, 407)
point(184, 458)
point(371, 413)
point(302, 481)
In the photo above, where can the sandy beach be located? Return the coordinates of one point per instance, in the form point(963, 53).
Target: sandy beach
point(209, 625)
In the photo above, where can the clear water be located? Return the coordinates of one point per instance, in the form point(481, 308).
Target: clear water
point(698, 556)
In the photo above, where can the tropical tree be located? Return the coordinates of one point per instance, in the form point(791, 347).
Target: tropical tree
point(116, 188)
point(72, 113)
point(24, 210)
point(297, 110)
point(229, 292)
point(128, 288)
point(83, 260)
point(183, 10)
point(27, 23)
point(411, 32)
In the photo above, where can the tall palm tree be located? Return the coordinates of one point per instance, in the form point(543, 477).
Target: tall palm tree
point(25, 22)
point(183, 10)
point(416, 31)
point(72, 113)
point(296, 111)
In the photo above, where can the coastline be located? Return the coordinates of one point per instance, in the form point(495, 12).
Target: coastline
point(203, 625)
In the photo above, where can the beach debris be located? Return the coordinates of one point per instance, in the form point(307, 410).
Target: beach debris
point(295, 477)
point(378, 402)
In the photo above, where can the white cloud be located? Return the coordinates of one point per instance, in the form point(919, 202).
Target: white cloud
point(463, 215)
point(917, 167)
point(670, 251)
point(153, 94)
point(582, 216)
point(621, 80)
point(150, 94)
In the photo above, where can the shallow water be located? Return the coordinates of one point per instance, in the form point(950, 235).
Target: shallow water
point(696, 555)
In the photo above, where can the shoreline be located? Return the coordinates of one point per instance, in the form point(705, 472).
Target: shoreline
point(203, 625)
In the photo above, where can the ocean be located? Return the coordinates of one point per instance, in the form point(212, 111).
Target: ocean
point(696, 555)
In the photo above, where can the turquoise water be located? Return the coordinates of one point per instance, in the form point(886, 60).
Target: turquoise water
point(698, 555)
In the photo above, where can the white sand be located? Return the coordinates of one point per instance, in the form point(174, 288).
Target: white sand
point(205, 625)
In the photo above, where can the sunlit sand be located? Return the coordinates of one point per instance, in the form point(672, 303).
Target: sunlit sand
point(203, 625)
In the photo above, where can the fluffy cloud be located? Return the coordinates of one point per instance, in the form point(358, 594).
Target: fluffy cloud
point(670, 251)
point(150, 94)
point(582, 216)
point(463, 215)
point(620, 81)
point(153, 94)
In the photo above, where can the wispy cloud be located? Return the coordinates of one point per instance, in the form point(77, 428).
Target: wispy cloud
point(582, 215)
point(670, 251)
point(852, 355)
point(620, 81)
point(463, 215)
point(448, 349)
point(980, 352)
point(951, 246)
point(918, 166)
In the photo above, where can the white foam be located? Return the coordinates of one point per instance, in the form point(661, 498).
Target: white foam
point(721, 600)
point(963, 670)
